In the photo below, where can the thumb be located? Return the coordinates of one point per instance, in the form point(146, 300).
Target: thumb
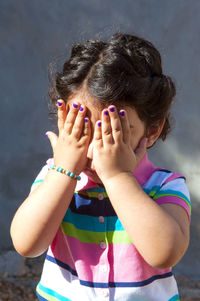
point(141, 149)
point(53, 138)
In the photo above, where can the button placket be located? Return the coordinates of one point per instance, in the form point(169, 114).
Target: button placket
point(105, 292)
point(100, 196)
point(101, 219)
point(103, 245)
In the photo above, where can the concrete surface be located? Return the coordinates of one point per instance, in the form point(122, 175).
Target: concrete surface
point(32, 33)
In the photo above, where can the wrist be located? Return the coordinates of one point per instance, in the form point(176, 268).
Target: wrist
point(65, 172)
point(117, 177)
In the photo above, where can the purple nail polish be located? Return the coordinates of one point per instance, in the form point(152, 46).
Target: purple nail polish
point(112, 109)
point(106, 113)
point(75, 105)
point(122, 113)
point(99, 123)
point(81, 109)
point(85, 119)
point(59, 103)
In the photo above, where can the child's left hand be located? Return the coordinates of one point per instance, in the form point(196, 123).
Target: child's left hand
point(112, 152)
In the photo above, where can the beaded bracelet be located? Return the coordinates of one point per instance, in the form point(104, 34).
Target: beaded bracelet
point(67, 173)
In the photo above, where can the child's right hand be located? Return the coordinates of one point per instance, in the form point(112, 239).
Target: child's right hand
point(71, 146)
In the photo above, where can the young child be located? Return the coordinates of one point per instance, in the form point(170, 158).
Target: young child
point(112, 222)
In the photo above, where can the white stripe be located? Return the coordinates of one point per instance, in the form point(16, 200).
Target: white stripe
point(157, 178)
point(67, 285)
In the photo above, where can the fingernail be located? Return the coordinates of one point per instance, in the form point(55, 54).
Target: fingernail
point(99, 123)
point(106, 113)
point(112, 109)
point(75, 105)
point(59, 103)
point(122, 113)
point(81, 109)
point(85, 119)
point(46, 135)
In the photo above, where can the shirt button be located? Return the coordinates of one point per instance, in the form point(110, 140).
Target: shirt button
point(103, 268)
point(101, 219)
point(100, 196)
point(103, 245)
point(104, 293)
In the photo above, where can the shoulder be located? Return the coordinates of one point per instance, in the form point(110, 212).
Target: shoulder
point(167, 187)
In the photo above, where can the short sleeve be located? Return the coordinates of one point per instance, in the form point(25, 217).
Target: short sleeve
point(40, 177)
point(174, 191)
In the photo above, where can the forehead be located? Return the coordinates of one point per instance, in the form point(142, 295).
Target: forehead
point(95, 107)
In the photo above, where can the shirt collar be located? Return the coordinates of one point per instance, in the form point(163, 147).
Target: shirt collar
point(144, 170)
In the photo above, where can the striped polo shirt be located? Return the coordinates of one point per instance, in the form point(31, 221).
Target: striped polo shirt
point(92, 256)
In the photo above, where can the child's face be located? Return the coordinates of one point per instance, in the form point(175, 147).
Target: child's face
point(137, 128)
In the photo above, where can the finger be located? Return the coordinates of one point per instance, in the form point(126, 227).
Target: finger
point(53, 138)
point(106, 128)
point(98, 142)
point(141, 149)
point(125, 126)
point(62, 113)
point(78, 126)
point(71, 116)
point(87, 128)
point(115, 124)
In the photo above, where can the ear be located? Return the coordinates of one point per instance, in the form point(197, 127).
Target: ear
point(153, 133)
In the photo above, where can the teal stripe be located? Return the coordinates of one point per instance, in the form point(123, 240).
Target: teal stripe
point(173, 193)
point(36, 182)
point(96, 189)
point(52, 293)
point(92, 223)
point(175, 298)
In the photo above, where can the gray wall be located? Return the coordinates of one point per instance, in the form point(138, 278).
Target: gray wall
point(32, 33)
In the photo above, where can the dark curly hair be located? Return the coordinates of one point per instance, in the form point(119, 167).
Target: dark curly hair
point(126, 70)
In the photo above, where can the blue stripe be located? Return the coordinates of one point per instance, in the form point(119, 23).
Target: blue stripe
point(109, 284)
point(164, 170)
point(175, 298)
point(92, 223)
point(61, 264)
point(52, 293)
point(125, 284)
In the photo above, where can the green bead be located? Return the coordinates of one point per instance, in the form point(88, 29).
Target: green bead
point(71, 175)
point(68, 173)
point(78, 178)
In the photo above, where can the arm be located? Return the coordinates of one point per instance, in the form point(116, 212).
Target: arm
point(37, 220)
point(160, 233)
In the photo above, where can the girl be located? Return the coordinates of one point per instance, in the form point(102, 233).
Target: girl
point(112, 222)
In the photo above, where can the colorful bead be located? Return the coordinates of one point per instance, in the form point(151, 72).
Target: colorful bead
point(67, 173)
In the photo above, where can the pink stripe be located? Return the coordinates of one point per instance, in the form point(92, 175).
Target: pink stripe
point(91, 261)
point(174, 200)
point(135, 267)
point(60, 250)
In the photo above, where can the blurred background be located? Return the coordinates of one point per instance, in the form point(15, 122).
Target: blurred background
point(32, 35)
